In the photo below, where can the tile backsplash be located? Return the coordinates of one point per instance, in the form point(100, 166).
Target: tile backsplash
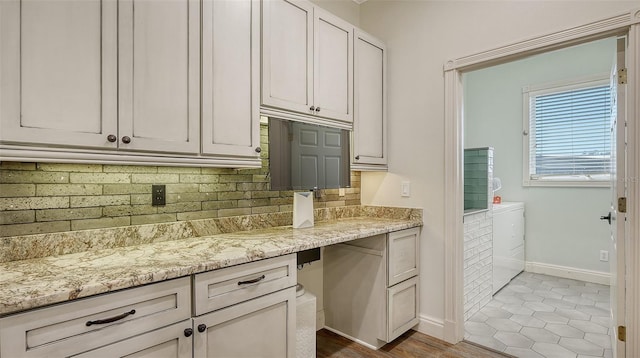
point(39, 198)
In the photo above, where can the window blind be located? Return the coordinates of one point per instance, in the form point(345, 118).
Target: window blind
point(570, 133)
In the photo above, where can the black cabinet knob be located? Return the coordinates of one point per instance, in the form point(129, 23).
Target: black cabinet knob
point(126, 140)
point(188, 332)
point(317, 109)
point(312, 108)
point(258, 149)
point(357, 157)
point(112, 138)
point(202, 327)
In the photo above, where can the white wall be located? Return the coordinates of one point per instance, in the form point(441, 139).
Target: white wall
point(421, 36)
point(346, 9)
point(562, 224)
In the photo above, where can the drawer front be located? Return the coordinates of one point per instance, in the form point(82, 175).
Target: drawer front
point(82, 325)
point(402, 308)
point(225, 287)
point(403, 255)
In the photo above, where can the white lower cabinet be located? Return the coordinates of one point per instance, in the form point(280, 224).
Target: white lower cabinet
point(371, 287)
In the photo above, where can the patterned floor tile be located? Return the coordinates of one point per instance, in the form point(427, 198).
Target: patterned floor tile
point(553, 350)
point(479, 329)
point(522, 353)
point(564, 331)
point(602, 340)
point(550, 317)
point(588, 326)
point(513, 339)
point(573, 314)
point(540, 335)
point(581, 346)
point(527, 321)
point(504, 324)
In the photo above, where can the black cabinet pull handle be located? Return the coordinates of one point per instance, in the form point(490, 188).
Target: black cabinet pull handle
point(112, 319)
point(202, 327)
point(258, 279)
point(608, 218)
point(188, 332)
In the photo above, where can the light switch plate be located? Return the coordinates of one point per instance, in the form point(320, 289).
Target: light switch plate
point(405, 189)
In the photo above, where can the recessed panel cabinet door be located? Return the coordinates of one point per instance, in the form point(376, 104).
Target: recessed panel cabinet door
point(369, 125)
point(333, 66)
point(159, 75)
point(230, 77)
point(58, 72)
point(287, 50)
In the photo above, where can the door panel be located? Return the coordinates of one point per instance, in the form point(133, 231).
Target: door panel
point(159, 75)
point(58, 68)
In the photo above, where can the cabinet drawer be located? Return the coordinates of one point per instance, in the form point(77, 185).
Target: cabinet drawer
point(75, 327)
point(403, 255)
point(220, 288)
point(402, 308)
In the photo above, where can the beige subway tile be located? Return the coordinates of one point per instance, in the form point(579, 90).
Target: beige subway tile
point(126, 189)
point(219, 171)
point(13, 190)
point(100, 178)
point(265, 209)
point(152, 219)
point(217, 187)
point(182, 188)
point(54, 202)
point(197, 215)
point(186, 197)
point(57, 167)
point(252, 186)
point(180, 207)
point(100, 223)
point(17, 166)
point(199, 178)
point(264, 194)
point(234, 212)
point(334, 204)
point(128, 210)
point(319, 204)
point(178, 170)
point(252, 202)
point(235, 178)
point(68, 214)
point(281, 201)
point(250, 171)
point(234, 195)
point(68, 189)
point(155, 178)
point(140, 199)
point(24, 177)
point(286, 208)
point(262, 178)
point(352, 202)
point(34, 228)
point(87, 201)
point(130, 169)
point(220, 204)
point(17, 217)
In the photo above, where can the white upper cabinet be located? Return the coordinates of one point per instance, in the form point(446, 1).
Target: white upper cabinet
point(307, 60)
point(58, 72)
point(231, 77)
point(370, 121)
point(159, 74)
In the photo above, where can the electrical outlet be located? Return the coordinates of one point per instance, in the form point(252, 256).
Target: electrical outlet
point(341, 192)
point(405, 189)
point(158, 195)
point(604, 255)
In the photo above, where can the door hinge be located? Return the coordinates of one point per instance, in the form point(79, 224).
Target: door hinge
point(622, 204)
point(622, 76)
point(622, 333)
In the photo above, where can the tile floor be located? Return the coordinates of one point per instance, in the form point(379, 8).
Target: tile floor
point(544, 316)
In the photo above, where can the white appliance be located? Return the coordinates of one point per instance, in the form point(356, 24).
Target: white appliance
point(508, 242)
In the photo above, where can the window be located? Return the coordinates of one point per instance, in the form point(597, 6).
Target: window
point(567, 136)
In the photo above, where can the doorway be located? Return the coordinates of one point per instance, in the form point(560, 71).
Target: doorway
point(623, 24)
point(547, 119)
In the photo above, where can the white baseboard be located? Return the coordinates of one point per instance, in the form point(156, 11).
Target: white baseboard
point(354, 339)
point(603, 278)
point(431, 326)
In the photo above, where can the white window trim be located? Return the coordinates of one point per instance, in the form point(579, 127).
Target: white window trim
point(541, 89)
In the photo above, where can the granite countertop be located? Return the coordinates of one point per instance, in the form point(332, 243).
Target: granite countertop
point(35, 282)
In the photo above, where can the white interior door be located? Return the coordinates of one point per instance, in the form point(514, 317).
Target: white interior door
point(618, 190)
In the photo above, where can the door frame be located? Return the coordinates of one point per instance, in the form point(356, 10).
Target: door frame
point(623, 24)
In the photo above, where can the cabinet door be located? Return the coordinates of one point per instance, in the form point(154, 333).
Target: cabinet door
point(166, 342)
point(159, 74)
point(403, 255)
point(370, 119)
point(287, 50)
point(333, 66)
point(58, 72)
point(263, 327)
point(230, 77)
point(402, 306)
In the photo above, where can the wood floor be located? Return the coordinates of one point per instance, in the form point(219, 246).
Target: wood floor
point(411, 344)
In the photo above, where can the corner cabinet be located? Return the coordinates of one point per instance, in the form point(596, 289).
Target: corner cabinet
point(380, 274)
point(307, 61)
point(370, 106)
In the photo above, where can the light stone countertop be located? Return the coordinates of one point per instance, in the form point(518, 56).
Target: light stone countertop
point(36, 282)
